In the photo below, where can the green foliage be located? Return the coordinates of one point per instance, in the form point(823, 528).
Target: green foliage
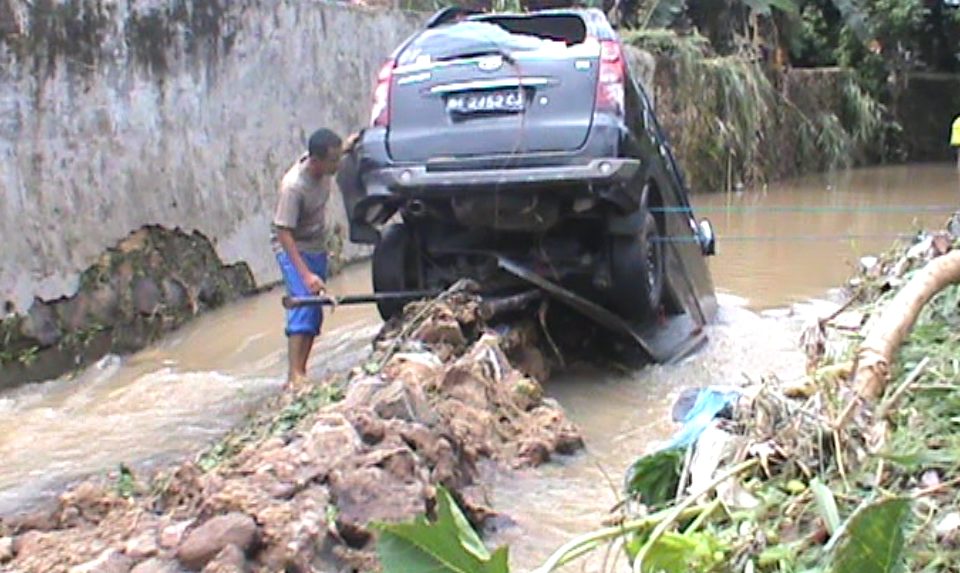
point(826, 504)
point(29, 356)
point(447, 545)
point(872, 539)
point(305, 405)
point(813, 40)
point(726, 108)
point(936, 443)
point(126, 485)
point(680, 553)
point(288, 418)
point(654, 478)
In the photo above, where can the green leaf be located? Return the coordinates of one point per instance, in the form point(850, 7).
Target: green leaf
point(126, 482)
point(682, 553)
point(448, 545)
point(872, 539)
point(764, 7)
point(655, 477)
point(827, 505)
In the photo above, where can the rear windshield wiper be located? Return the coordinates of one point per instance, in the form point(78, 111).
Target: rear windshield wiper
point(479, 53)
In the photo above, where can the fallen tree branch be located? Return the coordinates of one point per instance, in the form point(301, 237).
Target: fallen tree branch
point(888, 332)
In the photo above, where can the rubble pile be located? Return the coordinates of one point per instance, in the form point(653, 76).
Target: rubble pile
point(299, 488)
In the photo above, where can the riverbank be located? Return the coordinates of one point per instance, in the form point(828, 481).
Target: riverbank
point(438, 395)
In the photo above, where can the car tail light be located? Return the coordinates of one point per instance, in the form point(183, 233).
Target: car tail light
point(610, 85)
point(380, 114)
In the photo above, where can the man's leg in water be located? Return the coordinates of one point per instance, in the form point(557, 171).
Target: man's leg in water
point(303, 323)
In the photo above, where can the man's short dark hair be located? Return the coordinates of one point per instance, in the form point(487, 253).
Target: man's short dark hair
point(321, 141)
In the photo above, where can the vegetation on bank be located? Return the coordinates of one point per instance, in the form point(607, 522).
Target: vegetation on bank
point(821, 474)
point(728, 114)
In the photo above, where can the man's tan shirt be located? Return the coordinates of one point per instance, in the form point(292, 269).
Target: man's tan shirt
point(302, 209)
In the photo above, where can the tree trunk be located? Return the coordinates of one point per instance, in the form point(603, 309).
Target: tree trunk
point(885, 336)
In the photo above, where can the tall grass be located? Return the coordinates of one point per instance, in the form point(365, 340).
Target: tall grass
point(732, 121)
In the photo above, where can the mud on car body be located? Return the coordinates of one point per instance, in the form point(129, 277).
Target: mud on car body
point(523, 136)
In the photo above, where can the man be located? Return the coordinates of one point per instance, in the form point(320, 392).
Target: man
point(955, 138)
point(298, 239)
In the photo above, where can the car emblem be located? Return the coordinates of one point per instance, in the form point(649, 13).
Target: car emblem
point(490, 64)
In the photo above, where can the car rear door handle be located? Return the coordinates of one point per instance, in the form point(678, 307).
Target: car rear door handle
point(491, 84)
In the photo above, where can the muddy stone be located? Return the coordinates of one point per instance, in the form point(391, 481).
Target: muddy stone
point(28, 544)
point(370, 428)
point(147, 296)
point(6, 549)
point(142, 546)
point(372, 494)
point(205, 542)
point(171, 535)
point(175, 295)
point(230, 560)
point(110, 561)
point(41, 326)
point(157, 566)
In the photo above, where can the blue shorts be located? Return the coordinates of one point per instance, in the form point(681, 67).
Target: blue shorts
point(304, 320)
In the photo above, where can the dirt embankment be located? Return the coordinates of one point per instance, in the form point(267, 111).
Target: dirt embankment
point(440, 392)
point(151, 282)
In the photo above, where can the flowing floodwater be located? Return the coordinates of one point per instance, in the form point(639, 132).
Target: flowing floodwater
point(784, 246)
point(166, 400)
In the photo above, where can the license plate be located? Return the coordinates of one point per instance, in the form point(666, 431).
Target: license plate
point(487, 102)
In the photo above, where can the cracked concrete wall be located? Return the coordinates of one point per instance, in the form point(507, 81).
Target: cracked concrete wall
point(184, 113)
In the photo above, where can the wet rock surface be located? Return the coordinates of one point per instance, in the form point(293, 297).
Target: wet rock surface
point(436, 397)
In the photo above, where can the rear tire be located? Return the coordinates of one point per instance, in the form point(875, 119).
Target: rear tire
point(395, 267)
point(637, 270)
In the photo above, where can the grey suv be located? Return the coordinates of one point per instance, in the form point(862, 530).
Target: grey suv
point(523, 136)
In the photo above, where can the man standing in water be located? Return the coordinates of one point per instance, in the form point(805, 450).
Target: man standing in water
point(298, 238)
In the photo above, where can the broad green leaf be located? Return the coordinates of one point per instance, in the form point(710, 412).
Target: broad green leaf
point(655, 477)
point(872, 539)
point(682, 553)
point(827, 505)
point(448, 545)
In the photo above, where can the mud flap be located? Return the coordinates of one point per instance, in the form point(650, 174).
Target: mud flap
point(658, 342)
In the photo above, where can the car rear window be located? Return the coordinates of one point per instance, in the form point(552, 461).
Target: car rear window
point(491, 34)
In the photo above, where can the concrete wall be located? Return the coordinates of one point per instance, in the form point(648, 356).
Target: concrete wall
point(926, 109)
point(116, 114)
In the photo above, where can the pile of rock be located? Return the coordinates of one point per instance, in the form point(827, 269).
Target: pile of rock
point(436, 396)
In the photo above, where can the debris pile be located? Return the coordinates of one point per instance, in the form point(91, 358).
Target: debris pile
point(298, 488)
point(852, 468)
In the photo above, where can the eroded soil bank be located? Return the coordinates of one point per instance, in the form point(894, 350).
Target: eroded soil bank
point(148, 284)
point(297, 488)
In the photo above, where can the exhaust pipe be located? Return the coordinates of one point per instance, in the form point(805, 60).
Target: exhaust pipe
point(417, 208)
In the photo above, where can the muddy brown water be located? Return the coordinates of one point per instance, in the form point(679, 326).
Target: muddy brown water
point(780, 252)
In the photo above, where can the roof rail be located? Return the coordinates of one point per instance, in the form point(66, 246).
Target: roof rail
point(447, 15)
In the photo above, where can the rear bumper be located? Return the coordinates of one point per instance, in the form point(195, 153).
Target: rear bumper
point(419, 177)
